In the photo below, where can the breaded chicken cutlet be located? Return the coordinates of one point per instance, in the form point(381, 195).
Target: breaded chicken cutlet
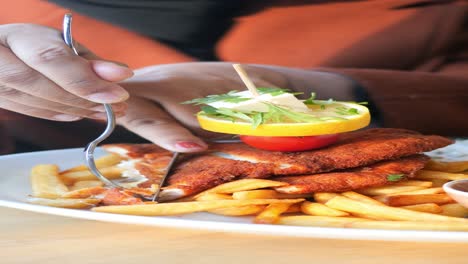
point(351, 157)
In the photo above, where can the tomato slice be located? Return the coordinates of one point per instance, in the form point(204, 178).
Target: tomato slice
point(289, 143)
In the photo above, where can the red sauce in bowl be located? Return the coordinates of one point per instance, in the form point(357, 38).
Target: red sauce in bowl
point(461, 186)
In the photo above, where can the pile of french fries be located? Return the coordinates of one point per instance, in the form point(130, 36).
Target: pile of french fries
point(416, 204)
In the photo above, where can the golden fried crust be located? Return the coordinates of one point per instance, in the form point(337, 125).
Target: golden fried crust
point(354, 149)
point(369, 176)
point(205, 172)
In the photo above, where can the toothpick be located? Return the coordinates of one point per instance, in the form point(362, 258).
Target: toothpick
point(245, 78)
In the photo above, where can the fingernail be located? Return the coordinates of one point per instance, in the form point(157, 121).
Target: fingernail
point(64, 117)
point(189, 145)
point(107, 98)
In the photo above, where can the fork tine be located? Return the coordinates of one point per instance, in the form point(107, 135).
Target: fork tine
point(163, 179)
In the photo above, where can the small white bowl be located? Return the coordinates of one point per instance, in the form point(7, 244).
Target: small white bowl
point(458, 195)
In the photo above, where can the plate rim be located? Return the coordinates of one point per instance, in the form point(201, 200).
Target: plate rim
point(232, 227)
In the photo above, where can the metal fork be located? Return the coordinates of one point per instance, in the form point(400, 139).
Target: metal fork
point(90, 148)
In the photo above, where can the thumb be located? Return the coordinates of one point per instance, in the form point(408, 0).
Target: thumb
point(148, 120)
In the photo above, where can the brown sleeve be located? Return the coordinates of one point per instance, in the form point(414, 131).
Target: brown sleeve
point(427, 102)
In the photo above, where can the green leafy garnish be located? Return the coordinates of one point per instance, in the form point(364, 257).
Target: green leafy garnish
point(257, 119)
point(275, 114)
point(310, 100)
point(273, 91)
point(233, 114)
point(395, 177)
point(285, 114)
point(225, 113)
point(346, 111)
point(230, 97)
point(209, 110)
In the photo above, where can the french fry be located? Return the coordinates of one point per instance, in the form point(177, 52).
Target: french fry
point(65, 203)
point(85, 184)
point(84, 193)
point(102, 162)
point(319, 221)
point(189, 198)
point(389, 189)
point(453, 166)
point(402, 200)
point(213, 197)
point(272, 213)
point(454, 209)
point(74, 176)
point(324, 197)
point(359, 197)
point(385, 212)
point(244, 185)
point(294, 208)
point(46, 183)
point(266, 194)
point(239, 210)
point(434, 190)
point(319, 209)
point(427, 208)
point(411, 225)
point(429, 175)
point(426, 184)
point(185, 207)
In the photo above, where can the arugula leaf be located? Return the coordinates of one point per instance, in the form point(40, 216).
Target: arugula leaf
point(274, 91)
point(283, 113)
point(346, 111)
point(257, 119)
point(395, 177)
point(271, 90)
point(209, 110)
point(310, 100)
point(233, 113)
point(323, 105)
point(230, 97)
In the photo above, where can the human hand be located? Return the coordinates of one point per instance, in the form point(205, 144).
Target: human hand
point(155, 111)
point(40, 76)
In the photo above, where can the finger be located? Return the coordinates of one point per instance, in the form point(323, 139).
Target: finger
point(19, 76)
point(108, 71)
point(29, 100)
point(148, 120)
point(105, 69)
point(36, 112)
point(49, 56)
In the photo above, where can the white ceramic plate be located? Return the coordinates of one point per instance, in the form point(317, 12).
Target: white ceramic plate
point(15, 187)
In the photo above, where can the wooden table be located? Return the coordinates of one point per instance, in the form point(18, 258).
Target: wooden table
point(37, 238)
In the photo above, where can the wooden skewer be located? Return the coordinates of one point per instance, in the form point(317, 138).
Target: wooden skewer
point(245, 78)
